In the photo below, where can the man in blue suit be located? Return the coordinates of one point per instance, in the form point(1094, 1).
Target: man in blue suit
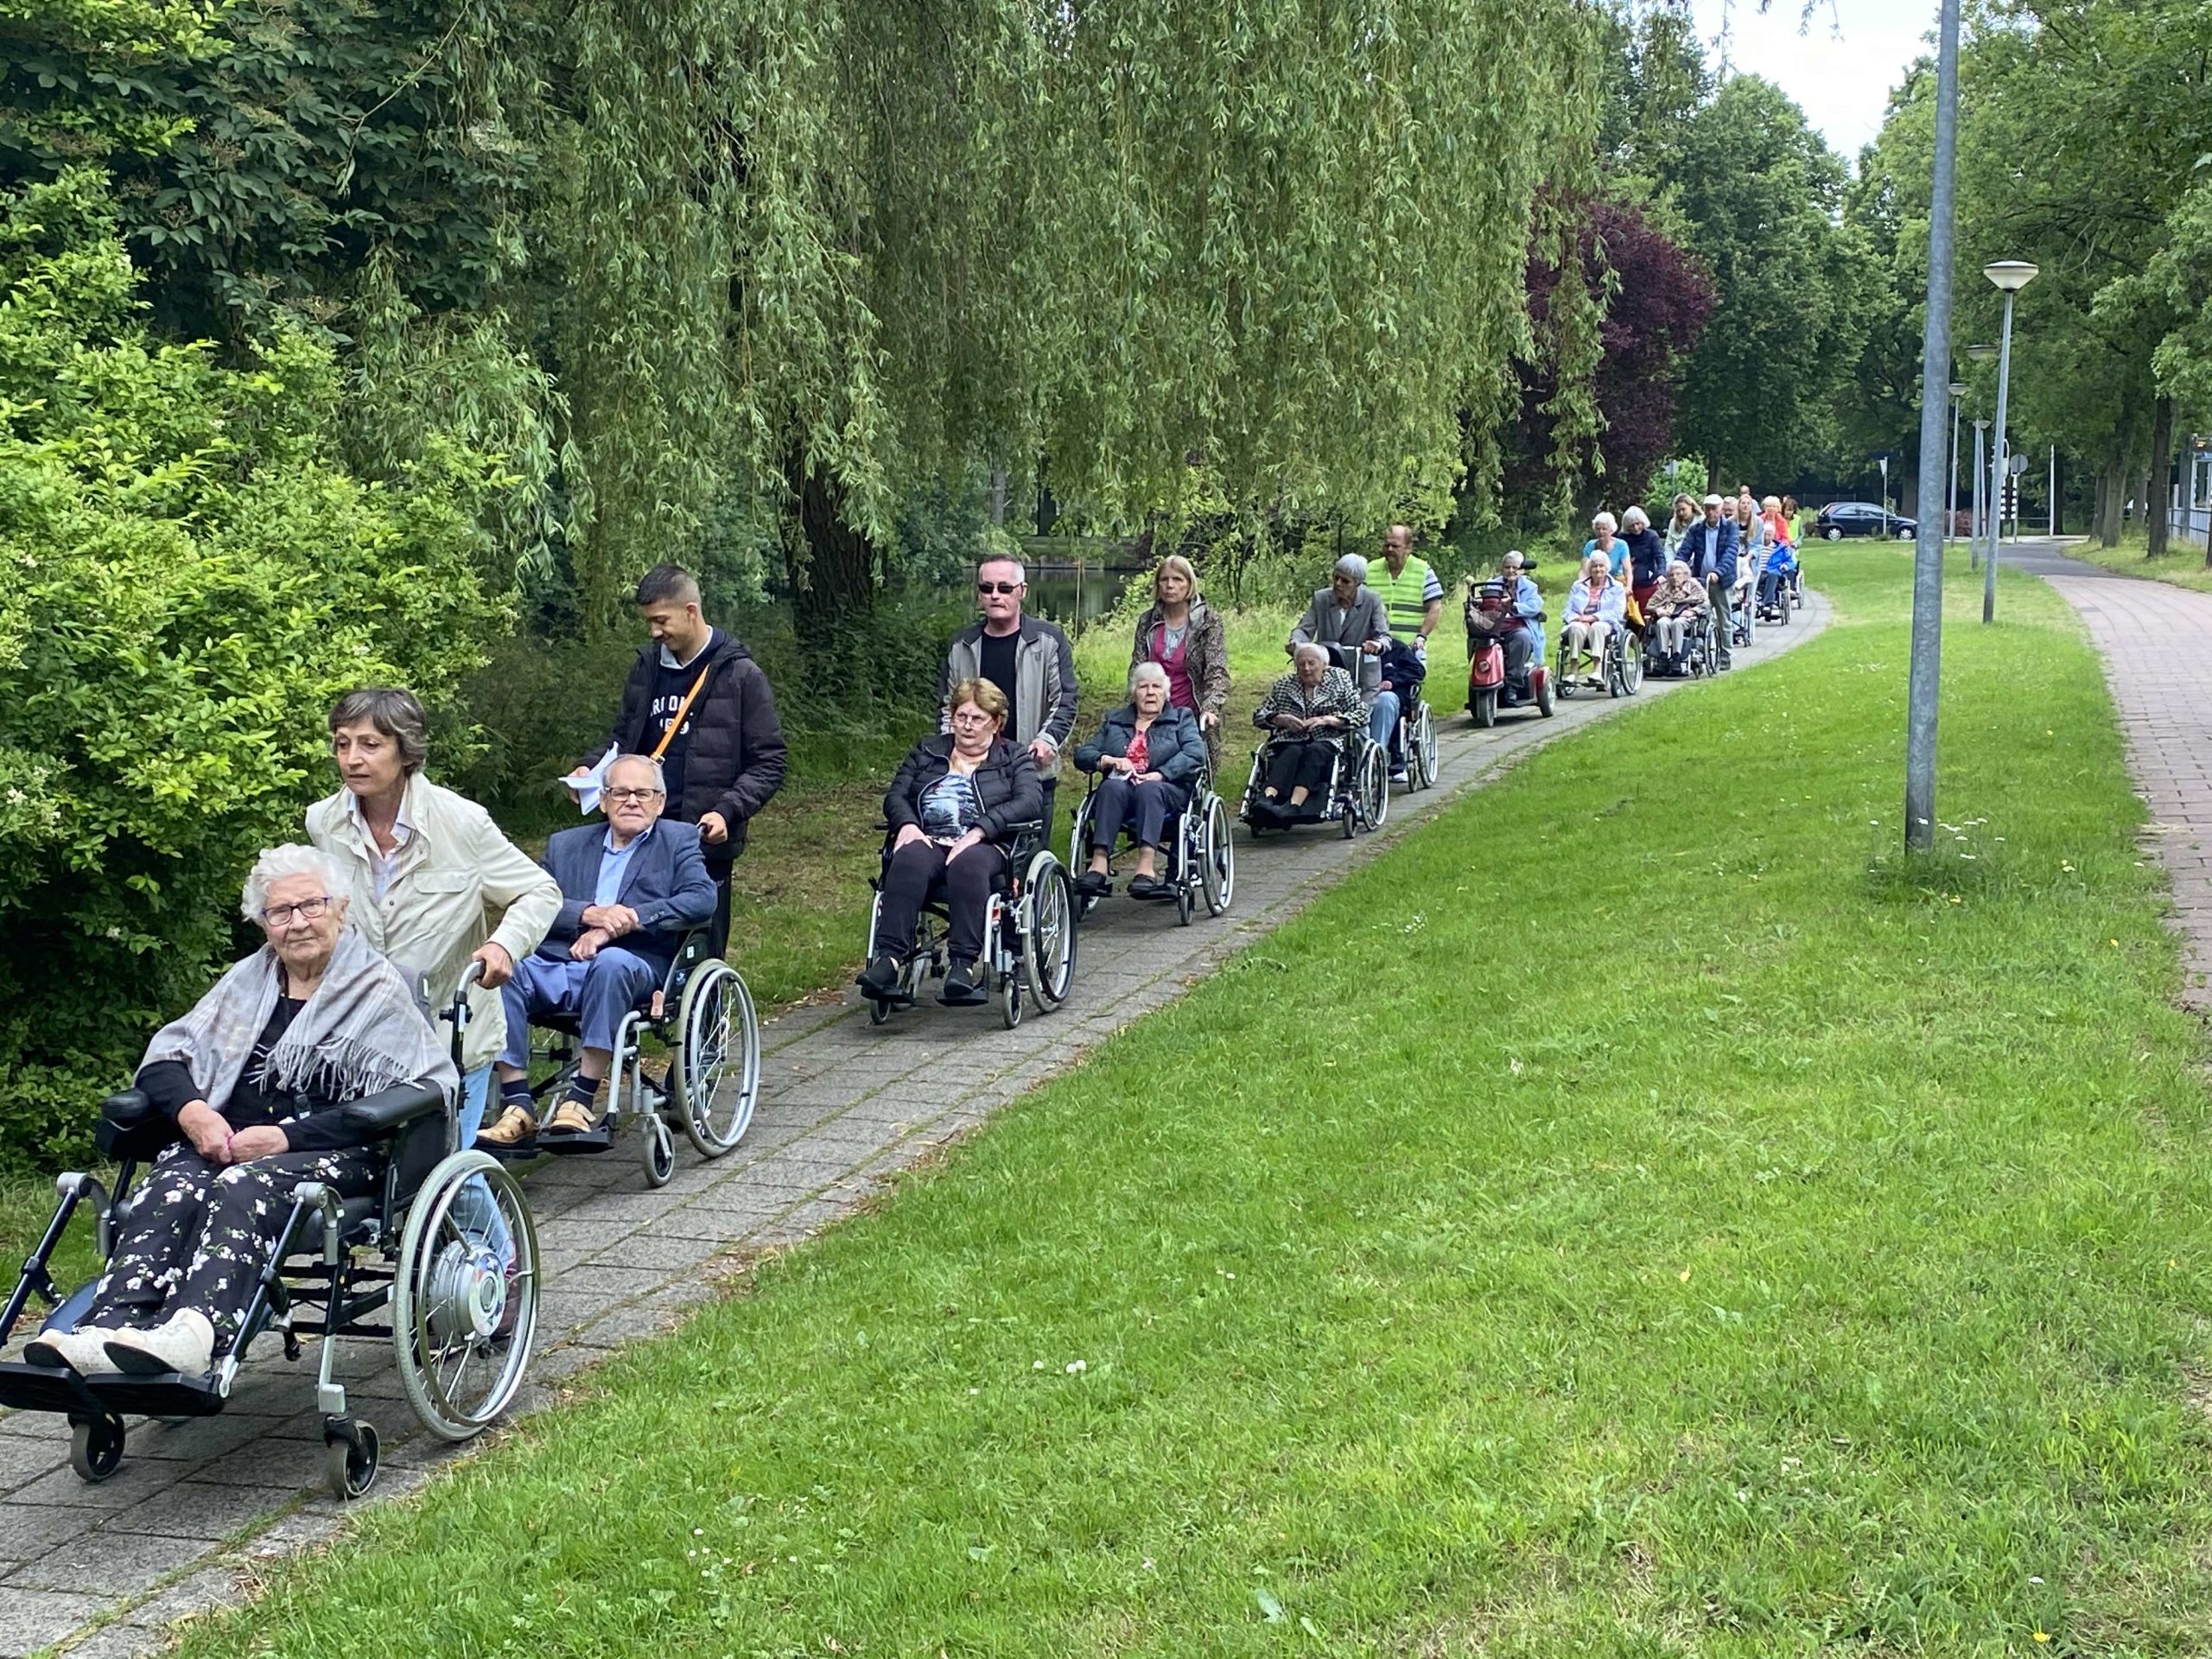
point(636, 880)
point(1710, 547)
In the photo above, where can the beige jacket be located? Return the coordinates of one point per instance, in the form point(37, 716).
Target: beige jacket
point(459, 882)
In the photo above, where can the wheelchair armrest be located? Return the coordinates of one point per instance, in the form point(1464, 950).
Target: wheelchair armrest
point(131, 1127)
point(390, 1109)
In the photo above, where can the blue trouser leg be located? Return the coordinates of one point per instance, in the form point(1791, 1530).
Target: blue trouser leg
point(1155, 805)
point(614, 981)
point(474, 1212)
point(1382, 719)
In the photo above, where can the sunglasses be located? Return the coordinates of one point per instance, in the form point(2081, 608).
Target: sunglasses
point(998, 586)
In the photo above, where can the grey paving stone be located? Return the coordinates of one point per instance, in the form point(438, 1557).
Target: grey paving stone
point(119, 1642)
point(31, 1619)
point(300, 1530)
point(134, 1482)
point(202, 1593)
point(202, 1509)
point(23, 1459)
point(661, 1253)
point(110, 1563)
point(29, 1531)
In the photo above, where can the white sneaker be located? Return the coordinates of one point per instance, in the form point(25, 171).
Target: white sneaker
point(184, 1342)
point(83, 1351)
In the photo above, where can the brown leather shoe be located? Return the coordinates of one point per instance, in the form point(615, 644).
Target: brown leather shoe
point(515, 1125)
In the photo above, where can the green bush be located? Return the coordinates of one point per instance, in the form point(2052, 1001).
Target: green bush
point(189, 580)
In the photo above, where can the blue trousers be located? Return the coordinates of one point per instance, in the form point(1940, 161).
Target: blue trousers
point(1382, 719)
point(596, 993)
point(1144, 809)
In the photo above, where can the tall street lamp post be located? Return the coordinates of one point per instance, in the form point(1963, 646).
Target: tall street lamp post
point(1977, 353)
point(1924, 676)
point(2010, 275)
point(1951, 515)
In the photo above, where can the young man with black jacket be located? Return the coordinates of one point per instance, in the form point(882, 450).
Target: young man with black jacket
point(697, 702)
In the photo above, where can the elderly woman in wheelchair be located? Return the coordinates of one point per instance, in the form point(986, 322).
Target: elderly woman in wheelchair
point(1317, 764)
point(1148, 757)
point(275, 1114)
point(965, 816)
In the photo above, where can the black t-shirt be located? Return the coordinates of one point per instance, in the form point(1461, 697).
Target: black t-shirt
point(671, 687)
point(168, 1085)
point(995, 653)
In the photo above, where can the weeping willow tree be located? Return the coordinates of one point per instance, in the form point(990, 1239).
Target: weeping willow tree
point(834, 250)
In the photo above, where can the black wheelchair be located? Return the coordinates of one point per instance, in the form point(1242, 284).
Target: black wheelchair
point(1700, 657)
point(1620, 666)
point(1029, 933)
point(1356, 797)
point(1201, 856)
point(702, 1017)
point(459, 1299)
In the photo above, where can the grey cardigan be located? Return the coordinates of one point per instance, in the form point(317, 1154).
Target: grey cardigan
point(1344, 632)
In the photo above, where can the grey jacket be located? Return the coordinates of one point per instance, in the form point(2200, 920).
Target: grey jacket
point(1344, 632)
point(1044, 681)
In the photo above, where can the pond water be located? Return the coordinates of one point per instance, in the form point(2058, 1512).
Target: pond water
point(1072, 597)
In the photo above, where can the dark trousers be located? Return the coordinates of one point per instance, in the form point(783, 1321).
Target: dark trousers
point(1299, 763)
point(198, 1233)
point(1519, 645)
point(919, 868)
point(718, 930)
point(1143, 809)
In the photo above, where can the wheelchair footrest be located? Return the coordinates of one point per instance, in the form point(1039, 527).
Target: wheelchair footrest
point(566, 1145)
point(45, 1388)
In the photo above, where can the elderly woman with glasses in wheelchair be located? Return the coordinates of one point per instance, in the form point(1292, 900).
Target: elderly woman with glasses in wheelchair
point(1150, 755)
point(255, 1078)
point(953, 809)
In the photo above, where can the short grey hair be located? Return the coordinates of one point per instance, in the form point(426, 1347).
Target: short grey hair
point(1352, 565)
point(1636, 518)
point(1682, 565)
point(1308, 645)
point(1148, 671)
point(277, 863)
point(1515, 557)
point(1605, 521)
point(660, 777)
point(1020, 570)
point(398, 714)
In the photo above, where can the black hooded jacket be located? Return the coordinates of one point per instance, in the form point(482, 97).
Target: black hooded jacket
point(734, 762)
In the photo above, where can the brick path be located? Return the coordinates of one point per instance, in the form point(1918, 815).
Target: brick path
point(842, 1105)
point(2156, 640)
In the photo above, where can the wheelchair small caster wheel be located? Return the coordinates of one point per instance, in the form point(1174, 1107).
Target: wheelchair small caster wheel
point(349, 1458)
point(660, 1152)
point(95, 1447)
point(878, 1011)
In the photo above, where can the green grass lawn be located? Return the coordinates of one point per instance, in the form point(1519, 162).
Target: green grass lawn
point(2183, 566)
point(1640, 1214)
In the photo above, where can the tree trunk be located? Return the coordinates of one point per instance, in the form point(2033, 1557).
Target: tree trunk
point(2103, 487)
point(2159, 497)
point(2116, 502)
point(832, 566)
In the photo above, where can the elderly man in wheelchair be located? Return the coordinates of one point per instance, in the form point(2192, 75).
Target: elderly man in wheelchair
point(967, 887)
point(627, 953)
point(305, 1103)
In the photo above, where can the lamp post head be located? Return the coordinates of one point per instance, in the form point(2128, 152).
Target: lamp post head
point(2011, 274)
point(1982, 353)
point(1958, 388)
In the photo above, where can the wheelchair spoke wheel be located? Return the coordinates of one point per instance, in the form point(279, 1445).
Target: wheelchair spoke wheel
point(717, 1070)
point(464, 1294)
point(1375, 789)
point(1425, 747)
point(1219, 852)
point(1048, 936)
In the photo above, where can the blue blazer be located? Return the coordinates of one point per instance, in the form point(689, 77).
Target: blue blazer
point(666, 884)
point(1724, 564)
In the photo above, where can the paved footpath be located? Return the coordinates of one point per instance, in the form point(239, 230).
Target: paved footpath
point(196, 1508)
point(2156, 640)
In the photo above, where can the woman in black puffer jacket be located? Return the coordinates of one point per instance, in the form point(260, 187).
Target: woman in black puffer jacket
point(953, 809)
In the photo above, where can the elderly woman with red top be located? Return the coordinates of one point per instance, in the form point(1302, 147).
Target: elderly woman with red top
point(1150, 757)
point(1184, 635)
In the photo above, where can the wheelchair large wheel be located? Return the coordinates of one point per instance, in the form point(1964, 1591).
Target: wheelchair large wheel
point(1627, 676)
point(1375, 788)
point(1424, 748)
point(1048, 930)
point(1079, 836)
point(1219, 852)
point(717, 1070)
point(462, 1318)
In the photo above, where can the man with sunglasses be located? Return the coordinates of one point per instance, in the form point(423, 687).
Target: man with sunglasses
point(629, 888)
point(1026, 657)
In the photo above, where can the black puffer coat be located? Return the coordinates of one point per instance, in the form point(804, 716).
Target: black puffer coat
point(1006, 786)
point(735, 757)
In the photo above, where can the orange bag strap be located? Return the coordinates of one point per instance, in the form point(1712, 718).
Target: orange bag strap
point(682, 712)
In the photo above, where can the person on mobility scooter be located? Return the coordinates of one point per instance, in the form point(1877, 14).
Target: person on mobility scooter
point(1505, 644)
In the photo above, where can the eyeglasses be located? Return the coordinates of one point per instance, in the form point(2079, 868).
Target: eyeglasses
point(998, 586)
point(971, 717)
point(627, 796)
point(307, 910)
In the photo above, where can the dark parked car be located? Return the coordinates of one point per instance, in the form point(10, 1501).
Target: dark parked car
point(1840, 519)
